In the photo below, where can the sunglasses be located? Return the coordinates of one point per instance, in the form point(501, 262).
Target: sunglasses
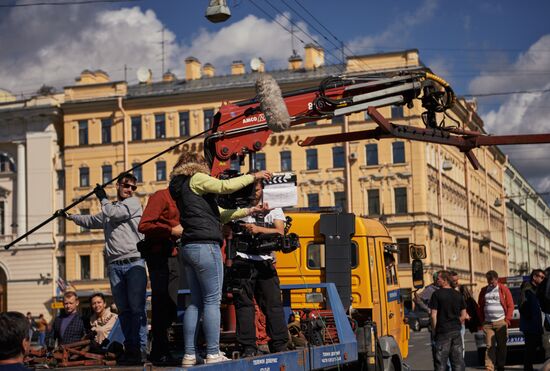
point(128, 185)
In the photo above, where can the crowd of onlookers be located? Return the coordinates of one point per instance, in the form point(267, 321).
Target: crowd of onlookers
point(453, 309)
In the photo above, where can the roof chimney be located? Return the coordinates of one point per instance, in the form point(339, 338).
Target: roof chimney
point(168, 77)
point(237, 68)
point(315, 57)
point(92, 77)
point(208, 70)
point(192, 68)
point(295, 62)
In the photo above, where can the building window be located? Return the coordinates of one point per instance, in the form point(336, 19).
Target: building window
point(60, 179)
point(404, 253)
point(136, 128)
point(286, 161)
point(161, 170)
point(208, 118)
point(7, 164)
point(84, 212)
point(397, 112)
point(338, 157)
point(84, 267)
point(2, 220)
point(372, 154)
point(84, 177)
point(137, 172)
point(184, 123)
point(400, 200)
point(235, 164)
point(311, 159)
point(82, 132)
point(260, 161)
point(338, 119)
point(398, 150)
point(107, 173)
point(160, 126)
point(373, 196)
point(316, 255)
point(340, 200)
point(313, 200)
point(106, 125)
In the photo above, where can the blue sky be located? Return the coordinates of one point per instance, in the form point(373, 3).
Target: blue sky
point(478, 46)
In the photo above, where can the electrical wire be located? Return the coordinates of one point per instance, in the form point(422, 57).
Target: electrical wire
point(342, 44)
point(481, 95)
point(74, 2)
point(285, 28)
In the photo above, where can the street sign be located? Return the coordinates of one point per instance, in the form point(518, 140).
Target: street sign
point(57, 305)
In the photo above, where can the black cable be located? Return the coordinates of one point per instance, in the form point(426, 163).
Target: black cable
point(342, 44)
point(74, 2)
point(285, 28)
point(506, 93)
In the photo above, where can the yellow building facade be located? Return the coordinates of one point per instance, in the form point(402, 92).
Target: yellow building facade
point(426, 194)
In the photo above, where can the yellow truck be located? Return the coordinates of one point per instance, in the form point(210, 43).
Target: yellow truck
point(357, 254)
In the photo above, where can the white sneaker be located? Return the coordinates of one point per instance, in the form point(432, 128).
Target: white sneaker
point(216, 358)
point(189, 360)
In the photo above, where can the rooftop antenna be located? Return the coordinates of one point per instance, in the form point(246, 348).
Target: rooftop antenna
point(162, 44)
point(292, 39)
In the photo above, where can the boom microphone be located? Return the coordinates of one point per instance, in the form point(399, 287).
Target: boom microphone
point(272, 103)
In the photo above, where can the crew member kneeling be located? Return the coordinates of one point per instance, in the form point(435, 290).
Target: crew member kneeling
point(256, 277)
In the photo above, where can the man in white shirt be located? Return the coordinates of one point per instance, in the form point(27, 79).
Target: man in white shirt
point(255, 275)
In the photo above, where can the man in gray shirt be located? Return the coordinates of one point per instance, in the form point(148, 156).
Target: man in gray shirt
point(119, 220)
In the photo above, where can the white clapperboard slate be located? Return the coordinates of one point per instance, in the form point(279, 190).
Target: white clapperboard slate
point(281, 190)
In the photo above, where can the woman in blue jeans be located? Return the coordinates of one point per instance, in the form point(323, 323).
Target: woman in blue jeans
point(195, 192)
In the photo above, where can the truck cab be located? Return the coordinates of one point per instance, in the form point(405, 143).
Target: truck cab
point(357, 254)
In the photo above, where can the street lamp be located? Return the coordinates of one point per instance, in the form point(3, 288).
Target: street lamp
point(218, 11)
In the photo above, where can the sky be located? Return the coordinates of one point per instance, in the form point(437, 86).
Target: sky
point(480, 47)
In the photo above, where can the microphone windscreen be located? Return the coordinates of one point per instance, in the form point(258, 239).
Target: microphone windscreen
point(272, 103)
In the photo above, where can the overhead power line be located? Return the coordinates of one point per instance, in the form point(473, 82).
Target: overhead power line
point(286, 29)
point(73, 2)
point(480, 95)
point(340, 45)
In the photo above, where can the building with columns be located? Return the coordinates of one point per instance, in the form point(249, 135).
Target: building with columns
point(31, 189)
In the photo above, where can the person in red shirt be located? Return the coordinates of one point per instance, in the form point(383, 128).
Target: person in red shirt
point(496, 308)
point(160, 224)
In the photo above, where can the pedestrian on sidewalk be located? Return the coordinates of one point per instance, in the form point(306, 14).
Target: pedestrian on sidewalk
point(496, 307)
point(530, 320)
point(42, 327)
point(448, 312)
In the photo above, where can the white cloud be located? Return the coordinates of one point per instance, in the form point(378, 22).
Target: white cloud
point(522, 113)
point(47, 51)
point(245, 39)
point(50, 52)
point(399, 30)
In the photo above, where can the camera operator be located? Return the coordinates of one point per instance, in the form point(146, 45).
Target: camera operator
point(256, 276)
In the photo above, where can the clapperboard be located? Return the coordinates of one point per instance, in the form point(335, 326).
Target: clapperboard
point(281, 190)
